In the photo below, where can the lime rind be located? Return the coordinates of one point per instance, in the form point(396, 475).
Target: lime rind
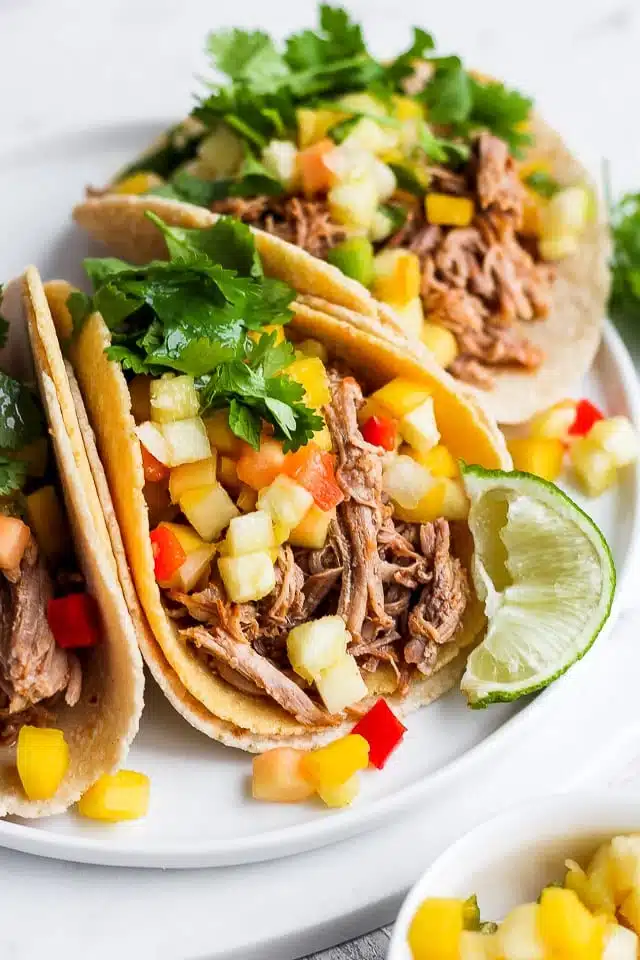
point(546, 575)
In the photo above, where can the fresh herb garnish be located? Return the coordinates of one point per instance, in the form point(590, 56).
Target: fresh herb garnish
point(194, 314)
point(440, 150)
point(624, 300)
point(4, 323)
point(176, 146)
point(448, 93)
point(542, 183)
point(20, 414)
point(13, 474)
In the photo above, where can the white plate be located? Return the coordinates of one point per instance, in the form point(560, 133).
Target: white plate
point(509, 859)
point(201, 814)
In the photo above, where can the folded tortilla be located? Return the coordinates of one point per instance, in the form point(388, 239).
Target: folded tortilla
point(101, 726)
point(568, 336)
point(206, 700)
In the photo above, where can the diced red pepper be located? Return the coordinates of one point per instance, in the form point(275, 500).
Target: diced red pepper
point(74, 620)
point(586, 415)
point(168, 553)
point(154, 470)
point(380, 432)
point(313, 469)
point(382, 730)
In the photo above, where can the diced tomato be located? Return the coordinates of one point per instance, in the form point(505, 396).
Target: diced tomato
point(380, 432)
point(586, 415)
point(259, 468)
point(168, 553)
point(313, 469)
point(154, 471)
point(382, 730)
point(315, 174)
point(74, 620)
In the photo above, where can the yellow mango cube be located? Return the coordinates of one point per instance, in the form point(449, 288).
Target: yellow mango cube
point(333, 765)
point(118, 796)
point(438, 460)
point(436, 930)
point(596, 895)
point(48, 522)
point(322, 439)
point(312, 530)
point(42, 758)
point(313, 125)
point(594, 467)
point(448, 211)
point(342, 795)
point(542, 456)
point(440, 342)
point(137, 183)
point(428, 509)
point(406, 108)
point(399, 397)
point(397, 276)
point(208, 509)
point(311, 373)
point(567, 928)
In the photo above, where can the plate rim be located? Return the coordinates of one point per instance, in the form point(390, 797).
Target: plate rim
point(336, 826)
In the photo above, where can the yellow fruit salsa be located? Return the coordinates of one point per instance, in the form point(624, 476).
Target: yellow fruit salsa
point(593, 915)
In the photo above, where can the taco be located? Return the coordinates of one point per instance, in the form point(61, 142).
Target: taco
point(69, 660)
point(415, 182)
point(251, 444)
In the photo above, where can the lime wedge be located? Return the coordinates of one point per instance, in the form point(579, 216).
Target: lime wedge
point(546, 576)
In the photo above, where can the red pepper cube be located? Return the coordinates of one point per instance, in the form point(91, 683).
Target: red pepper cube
point(380, 432)
point(382, 730)
point(313, 469)
point(168, 553)
point(74, 620)
point(586, 415)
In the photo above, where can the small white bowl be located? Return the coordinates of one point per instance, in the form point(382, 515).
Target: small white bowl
point(509, 859)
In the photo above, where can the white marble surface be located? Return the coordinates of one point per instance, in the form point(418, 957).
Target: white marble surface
point(63, 67)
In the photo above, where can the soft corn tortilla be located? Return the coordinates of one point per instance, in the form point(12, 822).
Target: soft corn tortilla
point(100, 728)
point(204, 699)
point(569, 336)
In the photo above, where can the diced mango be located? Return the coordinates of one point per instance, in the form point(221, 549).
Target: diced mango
point(48, 522)
point(247, 578)
point(201, 473)
point(518, 935)
point(566, 927)
point(438, 460)
point(221, 435)
point(278, 776)
point(397, 398)
point(173, 398)
point(311, 373)
point(312, 530)
point(455, 503)
point(406, 108)
point(541, 456)
point(270, 328)
point(250, 533)
point(316, 645)
point(596, 895)
point(617, 436)
point(137, 183)
point(286, 501)
point(429, 507)
point(406, 481)
point(118, 796)
point(333, 765)
point(342, 795)
point(554, 422)
point(42, 758)
point(313, 125)
point(436, 930)
point(447, 210)
point(594, 467)
point(341, 685)
point(397, 276)
point(322, 439)
point(629, 910)
point(441, 342)
point(419, 428)
point(186, 440)
point(209, 509)
point(139, 391)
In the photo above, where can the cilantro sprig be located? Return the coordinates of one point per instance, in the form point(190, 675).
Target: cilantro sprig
point(13, 474)
point(624, 299)
point(21, 418)
point(203, 313)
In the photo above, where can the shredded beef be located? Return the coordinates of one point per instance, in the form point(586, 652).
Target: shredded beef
point(305, 223)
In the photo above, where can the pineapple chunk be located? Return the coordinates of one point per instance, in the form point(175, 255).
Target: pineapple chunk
point(278, 776)
point(279, 157)
point(250, 533)
point(341, 685)
point(355, 202)
point(194, 568)
point(406, 481)
point(438, 460)
point(385, 179)
point(317, 645)
point(428, 509)
point(618, 437)
point(322, 439)
point(285, 500)
point(220, 153)
point(382, 226)
point(313, 125)
point(554, 422)
point(247, 578)
point(447, 210)
point(186, 440)
point(411, 316)
point(371, 137)
point(208, 509)
point(342, 795)
point(419, 428)
point(619, 943)
point(558, 248)
point(455, 503)
point(518, 937)
point(221, 435)
point(311, 373)
point(436, 930)
point(312, 530)
point(152, 439)
point(595, 468)
point(566, 213)
point(399, 397)
point(173, 398)
point(623, 862)
point(397, 276)
point(477, 946)
point(201, 473)
point(440, 342)
point(595, 891)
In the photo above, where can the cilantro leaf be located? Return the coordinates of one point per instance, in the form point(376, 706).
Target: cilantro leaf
point(175, 147)
point(245, 55)
point(407, 180)
point(79, 306)
point(542, 183)
point(501, 111)
point(448, 94)
point(20, 414)
point(396, 213)
point(441, 150)
point(4, 323)
point(228, 243)
point(404, 65)
point(624, 299)
point(13, 474)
